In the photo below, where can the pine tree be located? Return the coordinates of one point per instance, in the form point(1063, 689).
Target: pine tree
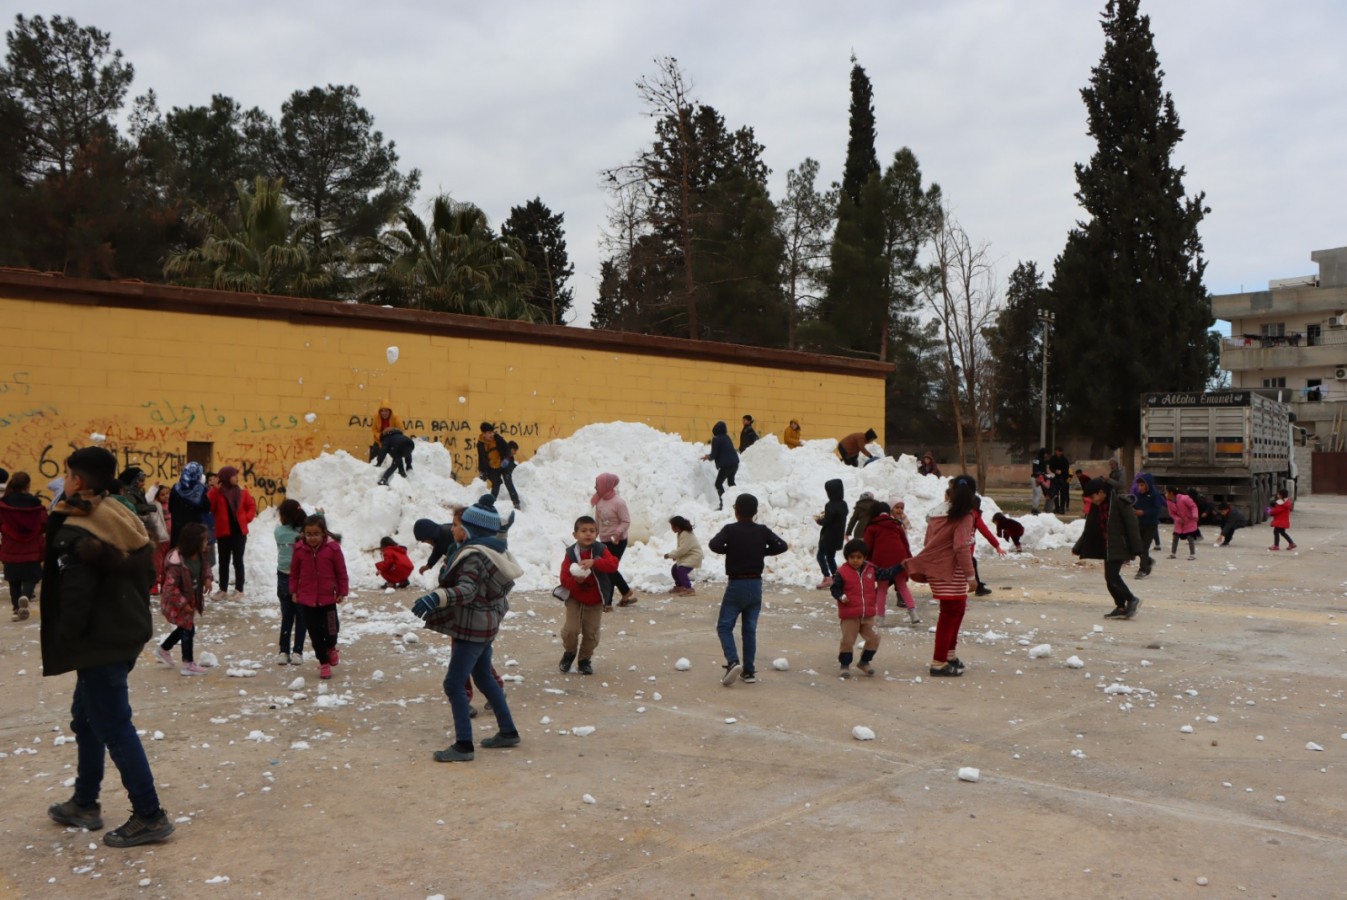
point(1132, 313)
point(1016, 343)
point(543, 237)
point(862, 162)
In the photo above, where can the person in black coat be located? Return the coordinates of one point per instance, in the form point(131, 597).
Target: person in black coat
point(747, 435)
point(1112, 534)
point(397, 445)
point(726, 459)
point(187, 502)
point(1060, 467)
point(832, 531)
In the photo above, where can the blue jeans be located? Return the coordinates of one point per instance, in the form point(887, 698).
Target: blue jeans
point(473, 658)
point(290, 615)
point(743, 597)
point(100, 716)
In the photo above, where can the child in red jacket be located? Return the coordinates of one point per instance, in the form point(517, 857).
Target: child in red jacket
point(396, 566)
point(1280, 511)
point(887, 545)
point(318, 583)
point(585, 576)
point(855, 587)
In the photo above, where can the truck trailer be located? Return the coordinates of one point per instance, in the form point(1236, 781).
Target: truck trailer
point(1231, 445)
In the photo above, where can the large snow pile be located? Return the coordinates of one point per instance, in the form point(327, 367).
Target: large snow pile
point(661, 476)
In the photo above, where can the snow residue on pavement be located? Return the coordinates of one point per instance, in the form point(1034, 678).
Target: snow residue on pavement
point(661, 475)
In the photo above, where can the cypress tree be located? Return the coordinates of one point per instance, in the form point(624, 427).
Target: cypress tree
point(862, 162)
point(1132, 313)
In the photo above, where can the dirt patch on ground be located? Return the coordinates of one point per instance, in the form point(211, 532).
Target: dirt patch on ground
point(756, 790)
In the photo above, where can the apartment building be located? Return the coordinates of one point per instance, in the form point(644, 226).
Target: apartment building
point(1292, 339)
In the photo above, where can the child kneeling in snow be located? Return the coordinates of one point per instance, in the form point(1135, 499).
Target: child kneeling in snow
point(469, 606)
point(1008, 529)
point(686, 556)
point(855, 587)
point(396, 566)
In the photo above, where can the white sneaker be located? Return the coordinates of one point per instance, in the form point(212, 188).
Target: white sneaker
point(22, 612)
point(164, 656)
point(296, 659)
point(192, 668)
point(282, 659)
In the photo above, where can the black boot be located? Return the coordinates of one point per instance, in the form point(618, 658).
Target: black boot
point(586, 668)
point(566, 660)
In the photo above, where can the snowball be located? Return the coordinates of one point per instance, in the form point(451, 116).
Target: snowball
point(392, 354)
point(1202, 881)
point(207, 660)
point(1117, 688)
point(589, 798)
point(1074, 662)
point(1186, 729)
point(97, 438)
point(311, 417)
point(157, 736)
point(781, 664)
point(1040, 651)
point(411, 637)
point(234, 672)
point(1313, 746)
point(731, 720)
point(297, 684)
point(683, 664)
point(462, 399)
point(968, 773)
point(583, 730)
point(377, 675)
point(861, 733)
point(260, 736)
point(579, 572)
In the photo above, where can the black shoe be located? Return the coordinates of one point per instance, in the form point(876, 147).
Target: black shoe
point(982, 591)
point(487, 706)
point(586, 668)
point(71, 813)
point(1118, 612)
point(945, 671)
point(503, 739)
point(566, 660)
point(1142, 573)
point(140, 830)
point(1132, 606)
point(402, 584)
point(955, 662)
point(472, 712)
point(749, 678)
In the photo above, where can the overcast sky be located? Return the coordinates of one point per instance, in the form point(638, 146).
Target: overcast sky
point(497, 103)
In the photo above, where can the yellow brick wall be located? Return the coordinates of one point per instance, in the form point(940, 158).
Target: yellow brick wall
point(154, 380)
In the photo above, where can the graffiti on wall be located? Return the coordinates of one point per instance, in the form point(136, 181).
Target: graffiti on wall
point(458, 436)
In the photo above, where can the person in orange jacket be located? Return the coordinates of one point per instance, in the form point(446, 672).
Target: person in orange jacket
point(384, 418)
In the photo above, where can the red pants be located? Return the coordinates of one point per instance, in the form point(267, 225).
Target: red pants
point(947, 627)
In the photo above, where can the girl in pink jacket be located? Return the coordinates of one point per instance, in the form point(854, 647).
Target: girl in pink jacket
point(318, 583)
point(855, 587)
point(1183, 511)
point(610, 511)
point(946, 564)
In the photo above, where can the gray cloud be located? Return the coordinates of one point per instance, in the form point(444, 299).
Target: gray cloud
point(498, 103)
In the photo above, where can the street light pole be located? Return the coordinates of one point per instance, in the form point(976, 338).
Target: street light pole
point(1045, 318)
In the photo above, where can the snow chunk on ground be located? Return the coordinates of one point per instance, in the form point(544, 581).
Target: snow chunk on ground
point(235, 672)
point(1040, 651)
point(209, 660)
point(589, 798)
point(1074, 662)
point(1313, 746)
point(968, 773)
point(583, 730)
point(861, 733)
point(683, 664)
point(781, 664)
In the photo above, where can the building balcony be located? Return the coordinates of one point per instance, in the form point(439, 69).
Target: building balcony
point(1245, 354)
point(1285, 301)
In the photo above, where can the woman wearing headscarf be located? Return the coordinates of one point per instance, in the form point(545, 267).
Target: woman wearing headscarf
point(233, 508)
point(187, 502)
point(610, 511)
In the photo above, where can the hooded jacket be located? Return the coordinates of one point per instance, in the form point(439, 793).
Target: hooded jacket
point(96, 587)
point(1111, 530)
point(1150, 504)
point(722, 450)
point(1281, 513)
point(614, 519)
point(833, 522)
point(474, 590)
point(1183, 512)
point(318, 574)
point(393, 421)
point(860, 517)
point(887, 542)
point(182, 598)
point(396, 566)
point(791, 435)
point(748, 436)
point(23, 519)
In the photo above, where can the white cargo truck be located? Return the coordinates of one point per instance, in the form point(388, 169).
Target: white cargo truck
point(1231, 445)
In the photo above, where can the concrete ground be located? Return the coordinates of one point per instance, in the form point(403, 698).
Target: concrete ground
point(1089, 785)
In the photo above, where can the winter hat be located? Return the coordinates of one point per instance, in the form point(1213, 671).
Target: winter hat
point(98, 465)
point(131, 475)
point(867, 495)
point(481, 519)
point(1095, 485)
point(425, 529)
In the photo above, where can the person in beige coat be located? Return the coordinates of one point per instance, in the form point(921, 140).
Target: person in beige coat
point(686, 556)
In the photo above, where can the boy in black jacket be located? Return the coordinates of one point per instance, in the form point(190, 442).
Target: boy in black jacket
point(745, 545)
point(95, 622)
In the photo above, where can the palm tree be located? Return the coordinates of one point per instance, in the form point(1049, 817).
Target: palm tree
point(453, 263)
point(261, 249)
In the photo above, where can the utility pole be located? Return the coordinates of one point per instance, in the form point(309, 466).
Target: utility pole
point(1045, 318)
